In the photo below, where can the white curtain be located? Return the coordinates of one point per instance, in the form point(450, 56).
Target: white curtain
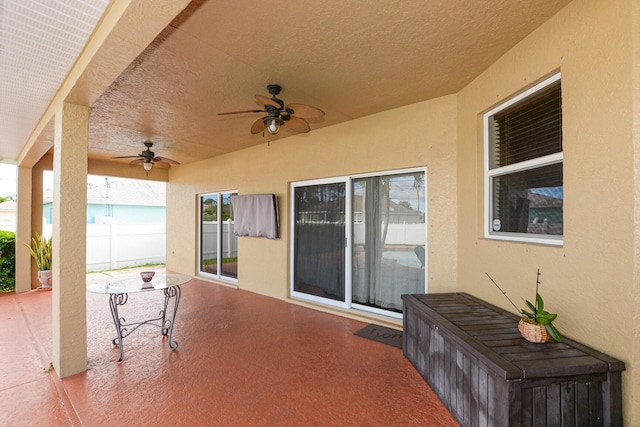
point(383, 271)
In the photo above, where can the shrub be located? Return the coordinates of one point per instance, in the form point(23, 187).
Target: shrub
point(7, 261)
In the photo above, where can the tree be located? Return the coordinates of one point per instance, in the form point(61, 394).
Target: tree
point(210, 213)
point(418, 183)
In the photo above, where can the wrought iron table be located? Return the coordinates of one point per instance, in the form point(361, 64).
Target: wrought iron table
point(119, 291)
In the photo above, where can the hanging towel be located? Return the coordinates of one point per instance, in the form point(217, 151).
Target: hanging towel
point(256, 215)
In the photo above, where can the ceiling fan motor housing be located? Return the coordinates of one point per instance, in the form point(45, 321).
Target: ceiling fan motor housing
point(274, 89)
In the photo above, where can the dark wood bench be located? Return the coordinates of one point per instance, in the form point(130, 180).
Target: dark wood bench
point(473, 356)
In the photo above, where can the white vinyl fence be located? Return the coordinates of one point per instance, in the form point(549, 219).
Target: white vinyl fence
point(397, 234)
point(113, 246)
point(210, 240)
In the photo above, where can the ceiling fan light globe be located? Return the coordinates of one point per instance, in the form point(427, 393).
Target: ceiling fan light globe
point(147, 166)
point(273, 126)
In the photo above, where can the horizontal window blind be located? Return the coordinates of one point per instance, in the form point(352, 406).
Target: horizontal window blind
point(527, 130)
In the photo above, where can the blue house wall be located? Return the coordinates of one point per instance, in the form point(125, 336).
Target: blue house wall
point(121, 213)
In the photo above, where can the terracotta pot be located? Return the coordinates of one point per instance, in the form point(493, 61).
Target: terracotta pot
point(45, 278)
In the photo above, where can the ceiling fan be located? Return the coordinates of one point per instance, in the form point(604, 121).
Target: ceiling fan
point(277, 114)
point(148, 159)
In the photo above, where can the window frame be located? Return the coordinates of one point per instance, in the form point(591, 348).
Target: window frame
point(489, 174)
point(348, 303)
point(200, 273)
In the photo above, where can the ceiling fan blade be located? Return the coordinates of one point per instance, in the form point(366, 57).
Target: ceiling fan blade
point(268, 101)
point(240, 112)
point(136, 162)
point(161, 164)
point(306, 111)
point(125, 157)
point(167, 160)
point(297, 124)
point(258, 126)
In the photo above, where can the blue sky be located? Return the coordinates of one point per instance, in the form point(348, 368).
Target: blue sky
point(8, 180)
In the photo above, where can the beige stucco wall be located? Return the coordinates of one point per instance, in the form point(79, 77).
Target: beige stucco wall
point(419, 135)
point(589, 280)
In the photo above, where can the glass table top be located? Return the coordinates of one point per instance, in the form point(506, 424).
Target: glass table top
point(132, 284)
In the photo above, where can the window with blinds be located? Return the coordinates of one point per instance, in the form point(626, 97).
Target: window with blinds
point(524, 180)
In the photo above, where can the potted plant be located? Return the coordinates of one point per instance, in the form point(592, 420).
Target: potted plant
point(41, 251)
point(536, 324)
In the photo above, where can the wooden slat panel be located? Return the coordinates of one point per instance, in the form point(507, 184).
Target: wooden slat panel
point(568, 403)
point(474, 374)
point(453, 379)
point(582, 404)
point(513, 415)
point(526, 347)
point(612, 389)
point(483, 397)
point(553, 404)
point(549, 367)
point(424, 333)
point(466, 388)
point(460, 385)
point(442, 361)
point(497, 327)
point(498, 398)
point(539, 407)
point(446, 368)
point(595, 404)
point(520, 356)
point(515, 335)
point(527, 407)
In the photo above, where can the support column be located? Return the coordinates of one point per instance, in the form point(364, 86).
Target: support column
point(23, 230)
point(69, 314)
point(37, 180)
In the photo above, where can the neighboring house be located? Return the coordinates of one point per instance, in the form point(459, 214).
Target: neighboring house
point(120, 201)
point(545, 213)
point(8, 215)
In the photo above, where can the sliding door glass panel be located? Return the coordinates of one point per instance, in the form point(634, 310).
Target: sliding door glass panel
point(229, 241)
point(218, 242)
point(209, 234)
point(389, 232)
point(319, 240)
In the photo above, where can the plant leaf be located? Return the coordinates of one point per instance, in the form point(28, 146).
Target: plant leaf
point(531, 306)
point(539, 302)
point(542, 320)
point(553, 332)
point(550, 316)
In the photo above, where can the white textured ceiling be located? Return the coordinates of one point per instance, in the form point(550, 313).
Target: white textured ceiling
point(350, 58)
point(39, 43)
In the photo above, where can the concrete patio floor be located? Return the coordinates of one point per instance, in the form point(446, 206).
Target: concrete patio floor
point(243, 360)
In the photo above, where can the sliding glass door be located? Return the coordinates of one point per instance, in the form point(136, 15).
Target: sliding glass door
point(319, 241)
point(218, 243)
point(360, 242)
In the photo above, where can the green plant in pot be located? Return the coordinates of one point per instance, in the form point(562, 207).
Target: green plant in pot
point(536, 324)
point(41, 250)
point(538, 315)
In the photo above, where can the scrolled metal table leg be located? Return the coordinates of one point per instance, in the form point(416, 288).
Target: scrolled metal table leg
point(114, 301)
point(167, 325)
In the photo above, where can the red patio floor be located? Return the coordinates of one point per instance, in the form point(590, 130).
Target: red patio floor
point(243, 360)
